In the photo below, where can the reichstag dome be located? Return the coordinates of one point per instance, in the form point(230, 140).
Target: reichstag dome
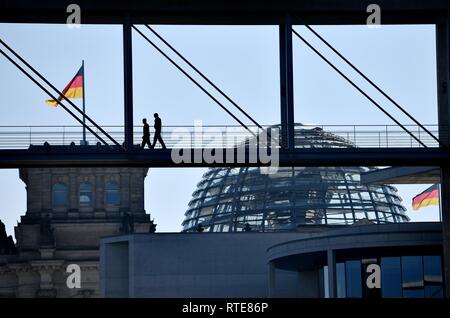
point(229, 199)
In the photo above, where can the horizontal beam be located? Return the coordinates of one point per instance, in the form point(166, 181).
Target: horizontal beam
point(230, 12)
point(402, 175)
point(84, 156)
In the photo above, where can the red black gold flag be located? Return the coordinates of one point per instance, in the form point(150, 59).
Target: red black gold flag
point(73, 90)
point(428, 197)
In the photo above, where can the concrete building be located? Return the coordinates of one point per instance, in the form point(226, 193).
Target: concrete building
point(68, 211)
point(325, 262)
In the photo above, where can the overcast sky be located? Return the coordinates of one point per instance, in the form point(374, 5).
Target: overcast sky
point(242, 60)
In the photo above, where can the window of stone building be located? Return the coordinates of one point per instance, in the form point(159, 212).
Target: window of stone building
point(112, 194)
point(59, 195)
point(86, 194)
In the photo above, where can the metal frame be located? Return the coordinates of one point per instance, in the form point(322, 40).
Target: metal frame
point(237, 12)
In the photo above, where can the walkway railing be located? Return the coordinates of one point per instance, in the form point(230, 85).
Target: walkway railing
point(307, 136)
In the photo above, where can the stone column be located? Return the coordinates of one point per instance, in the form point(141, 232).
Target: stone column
point(46, 190)
point(46, 284)
point(99, 196)
point(27, 280)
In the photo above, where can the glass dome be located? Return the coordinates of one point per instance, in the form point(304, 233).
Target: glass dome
point(226, 199)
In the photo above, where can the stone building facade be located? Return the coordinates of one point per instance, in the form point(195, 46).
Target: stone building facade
point(68, 211)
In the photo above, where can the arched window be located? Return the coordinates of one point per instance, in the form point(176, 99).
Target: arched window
point(59, 195)
point(112, 194)
point(86, 194)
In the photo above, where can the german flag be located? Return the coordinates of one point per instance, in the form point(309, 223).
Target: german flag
point(73, 90)
point(428, 197)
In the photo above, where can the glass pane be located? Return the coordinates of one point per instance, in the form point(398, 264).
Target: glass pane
point(59, 195)
point(112, 196)
point(86, 194)
point(340, 280)
point(391, 277)
point(412, 274)
point(433, 276)
point(325, 282)
point(353, 272)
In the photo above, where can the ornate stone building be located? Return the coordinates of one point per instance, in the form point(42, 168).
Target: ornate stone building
point(68, 211)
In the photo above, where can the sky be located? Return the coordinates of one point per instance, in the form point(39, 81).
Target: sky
point(242, 61)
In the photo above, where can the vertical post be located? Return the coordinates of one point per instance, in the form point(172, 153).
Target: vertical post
point(128, 82)
point(84, 107)
point(442, 63)
point(271, 279)
point(286, 84)
point(331, 262)
point(445, 208)
point(443, 73)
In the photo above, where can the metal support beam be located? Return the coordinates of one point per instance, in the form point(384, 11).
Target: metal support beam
point(286, 84)
point(331, 262)
point(67, 156)
point(443, 79)
point(445, 208)
point(128, 82)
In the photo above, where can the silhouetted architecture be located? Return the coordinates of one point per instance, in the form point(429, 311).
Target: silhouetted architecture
point(152, 228)
point(158, 128)
point(68, 211)
point(7, 245)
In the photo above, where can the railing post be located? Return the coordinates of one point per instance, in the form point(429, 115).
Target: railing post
point(387, 138)
point(379, 139)
point(64, 135)
point(418, 130)
point(30, 135)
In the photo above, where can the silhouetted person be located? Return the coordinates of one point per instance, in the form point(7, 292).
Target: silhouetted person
point(146, 134)
point(157, 137)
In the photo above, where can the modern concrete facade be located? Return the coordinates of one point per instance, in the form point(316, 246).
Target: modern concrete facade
point(68, 211)
point(262, 264)
point(189, 265)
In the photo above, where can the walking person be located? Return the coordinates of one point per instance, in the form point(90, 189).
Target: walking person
point(146, 134)
point(157, 137)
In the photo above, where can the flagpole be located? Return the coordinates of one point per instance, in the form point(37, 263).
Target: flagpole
point(84, 108)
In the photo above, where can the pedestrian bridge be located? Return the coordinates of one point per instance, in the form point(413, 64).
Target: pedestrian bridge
point(220, 136)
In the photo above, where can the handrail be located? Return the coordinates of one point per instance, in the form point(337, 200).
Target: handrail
point(223, 136)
